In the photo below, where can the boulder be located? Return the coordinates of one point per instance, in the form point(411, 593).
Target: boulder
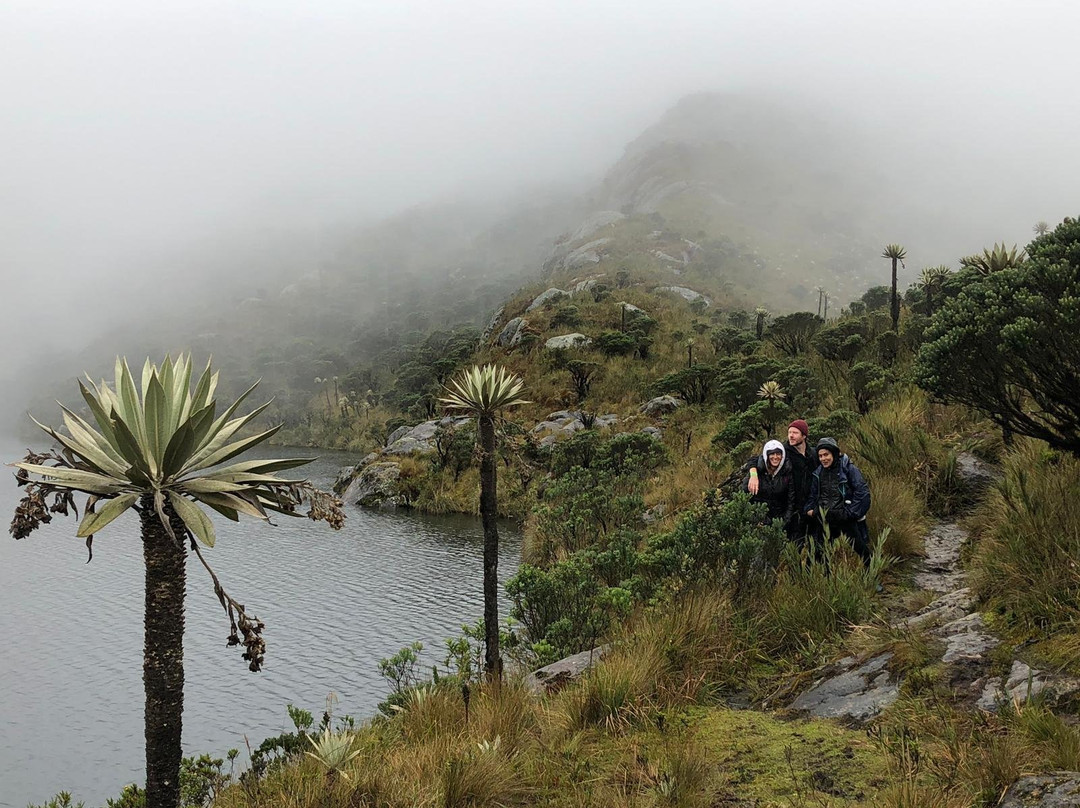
point(1054, 790)
point(397, 434)
point(344, 477)
point(375, 486)
point(631, 309)
point(686, 294)
point(492, 324)
point(420, 438)
point(858, 692)
point(661, 405)
point(566, 422)
point(568, 342)
point(586, 285)
point(653, 432)
point(548, 296)
point(511, 333)
point(552, 678)
point(585, 254)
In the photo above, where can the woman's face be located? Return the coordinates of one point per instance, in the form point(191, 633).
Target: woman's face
point(774, 460)
point(826, 457)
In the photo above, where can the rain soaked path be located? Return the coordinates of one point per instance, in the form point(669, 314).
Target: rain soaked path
point(333, 604)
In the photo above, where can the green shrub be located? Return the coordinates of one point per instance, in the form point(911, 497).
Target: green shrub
point(716, 541)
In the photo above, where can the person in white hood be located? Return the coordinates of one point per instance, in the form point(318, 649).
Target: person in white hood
point(775, 486)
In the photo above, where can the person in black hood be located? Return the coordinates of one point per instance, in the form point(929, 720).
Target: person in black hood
point(774, 486)
point(839, 498)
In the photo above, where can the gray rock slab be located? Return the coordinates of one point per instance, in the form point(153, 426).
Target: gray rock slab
point(512, 332)
point(496, 318)
point(343, 478)
point(375, 486)
point(966, 639)
point(685, 293)
point(397, 434)
point(974, 474)
point(631, 309)
point(940, 570)
point(1024, 683)
point(557, 675)
point(857, 694)
point(547, 296)
point(661, 405)
point(568, 342)
point(1054, 790)
point(945, 609)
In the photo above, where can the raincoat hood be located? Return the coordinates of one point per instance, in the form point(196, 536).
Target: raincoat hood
point(772, 446)
point(831, 445)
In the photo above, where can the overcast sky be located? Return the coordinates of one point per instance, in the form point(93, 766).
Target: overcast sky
point(132, 129)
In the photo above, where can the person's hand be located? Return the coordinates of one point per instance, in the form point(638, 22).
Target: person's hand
point(810, 513)
point(753, 485)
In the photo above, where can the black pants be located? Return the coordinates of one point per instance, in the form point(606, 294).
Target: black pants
point(854, 530)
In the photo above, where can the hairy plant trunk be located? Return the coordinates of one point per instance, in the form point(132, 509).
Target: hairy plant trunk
point(163, 655)
point(488, 513)
point(929, 302)
point(894, 300)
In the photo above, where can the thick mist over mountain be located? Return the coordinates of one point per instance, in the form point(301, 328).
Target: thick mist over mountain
point(247, 177)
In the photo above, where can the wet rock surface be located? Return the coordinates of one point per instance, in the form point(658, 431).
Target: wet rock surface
point(375, 486)
point(940, 571)
point(1024, 683)
point(950, 606)
point(859, 692)
point(1054, 790)
point(966, 639)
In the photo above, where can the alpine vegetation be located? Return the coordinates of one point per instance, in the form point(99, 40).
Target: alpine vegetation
point(159, 450)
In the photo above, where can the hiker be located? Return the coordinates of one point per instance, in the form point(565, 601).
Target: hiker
point(770, 476)
point(803, 462)
point(839, 498)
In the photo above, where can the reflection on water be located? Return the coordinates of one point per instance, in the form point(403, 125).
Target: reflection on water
point(333, 604)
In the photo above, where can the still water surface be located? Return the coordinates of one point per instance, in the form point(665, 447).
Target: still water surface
point(334, 603)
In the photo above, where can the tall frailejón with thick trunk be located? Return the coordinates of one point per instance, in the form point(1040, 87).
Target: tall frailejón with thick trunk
point(160, 447)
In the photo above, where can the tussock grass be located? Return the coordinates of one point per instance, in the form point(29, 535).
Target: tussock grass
point(1028, 528)
point(817, 598)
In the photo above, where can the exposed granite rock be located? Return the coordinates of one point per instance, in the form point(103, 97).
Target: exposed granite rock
point(631, 309)
point(653, 432)
point(686, 294)
point(420, 438)
point(375, 486)
point(587, 285)
point(547, 296)
point(945, 609)
point(512, 333)
point(344, 477)
point(940, 569)
point(554, 677)
point(966, 639)
point(492, 324)
point(975, 475)
point(585, 254)
point(568, 342)
point(397, 434)
point(661, 405)
point(566, 422)
point(857, 693)
point(1054, 790)
point(1024, 682)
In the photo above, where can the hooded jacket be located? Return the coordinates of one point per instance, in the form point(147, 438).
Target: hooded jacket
point(777, 491)
point(853, 490)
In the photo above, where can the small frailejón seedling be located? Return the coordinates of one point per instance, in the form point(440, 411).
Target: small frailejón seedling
point(159, 450)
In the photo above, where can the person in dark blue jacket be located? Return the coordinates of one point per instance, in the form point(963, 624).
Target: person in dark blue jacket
point(839, 498)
